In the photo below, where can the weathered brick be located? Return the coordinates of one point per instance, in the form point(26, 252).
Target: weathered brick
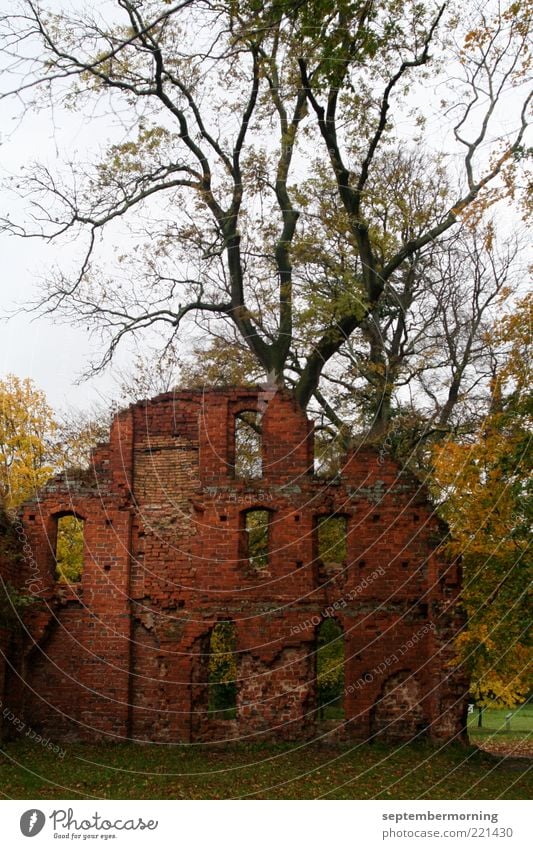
point(124, 653)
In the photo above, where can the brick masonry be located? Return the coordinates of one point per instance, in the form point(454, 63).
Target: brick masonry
point(123, 654)
point(10, 649)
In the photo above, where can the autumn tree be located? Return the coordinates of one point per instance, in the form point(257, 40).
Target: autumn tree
point(27, 433)
point(486, 488)
point(36, 443)
point(224, 114)
point(418, 367)
point(419, 361)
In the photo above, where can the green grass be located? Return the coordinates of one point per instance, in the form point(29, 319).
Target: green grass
point(493, 724)
point(362, 771)
point(365, 771)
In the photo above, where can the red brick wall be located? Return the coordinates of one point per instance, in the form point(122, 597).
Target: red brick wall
point(124, 653)
point(11, 578)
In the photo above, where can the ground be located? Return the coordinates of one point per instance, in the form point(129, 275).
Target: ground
point(375, 771)
point(493, 736)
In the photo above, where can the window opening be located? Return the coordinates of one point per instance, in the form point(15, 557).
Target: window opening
point(331, 538)
point(222, 672)
point(256, 533)
point(329, 452)
point(248, 445)
point(69, 549)
point(330, 670)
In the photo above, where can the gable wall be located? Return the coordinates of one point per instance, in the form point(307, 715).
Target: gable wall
point(124, 653)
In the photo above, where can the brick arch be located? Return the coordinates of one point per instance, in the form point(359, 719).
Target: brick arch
point(53, 531)
point(258, 504)
point(60, 514)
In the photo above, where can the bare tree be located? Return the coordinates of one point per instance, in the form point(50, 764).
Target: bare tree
point(423, 360)
point(224, 112)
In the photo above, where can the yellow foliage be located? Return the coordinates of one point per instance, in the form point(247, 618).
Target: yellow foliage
point(26, 430)
point(486, 487)
point(69, 548)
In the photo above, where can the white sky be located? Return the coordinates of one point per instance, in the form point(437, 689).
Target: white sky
point(53, 354)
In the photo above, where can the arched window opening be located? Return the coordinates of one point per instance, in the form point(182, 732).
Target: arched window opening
point(256, 538)
point(331, 538)
point(222, 672)
point(248, 445)
point(69, 553)
point(330, 670)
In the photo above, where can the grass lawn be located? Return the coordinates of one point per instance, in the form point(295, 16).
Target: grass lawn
point(493, 723)
point(365, 771)
point(362, 771)
point(496, 737)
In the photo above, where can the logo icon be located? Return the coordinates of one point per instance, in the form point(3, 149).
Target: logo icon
point(32, 822)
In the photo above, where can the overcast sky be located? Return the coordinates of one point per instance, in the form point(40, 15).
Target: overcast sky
point(53, 354)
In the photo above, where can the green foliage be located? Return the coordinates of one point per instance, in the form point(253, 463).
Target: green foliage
point(257, 536)
point(331, 535)
point(222, 671)
point(13, 605)
point(332, 33)
point(330, 669)
point(218, 361)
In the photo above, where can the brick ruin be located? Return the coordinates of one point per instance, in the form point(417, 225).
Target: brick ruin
point(124, 653)
point(11, 645)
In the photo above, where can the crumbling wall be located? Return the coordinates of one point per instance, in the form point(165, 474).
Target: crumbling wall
point(11, 591)
point(398, 711)
point(124, 653)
